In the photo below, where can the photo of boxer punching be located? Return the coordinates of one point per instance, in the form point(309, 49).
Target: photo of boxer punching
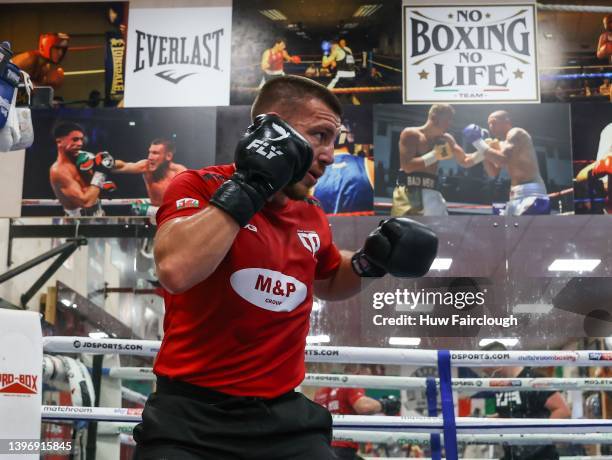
point(592, 145)
point(477, 159)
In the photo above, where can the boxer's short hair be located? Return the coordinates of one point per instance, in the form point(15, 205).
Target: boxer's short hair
point(167, 143)
point(288, 91)
point(438, 111)
point(66, 127)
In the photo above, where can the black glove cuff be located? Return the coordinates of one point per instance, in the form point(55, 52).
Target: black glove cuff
point(364, 267)
point(238, 199)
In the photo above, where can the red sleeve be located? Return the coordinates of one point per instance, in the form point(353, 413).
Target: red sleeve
point(354, 394)
point(328, 257)
point(188, 193)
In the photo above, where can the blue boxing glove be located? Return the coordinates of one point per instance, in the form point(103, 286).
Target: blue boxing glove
point(474, 134)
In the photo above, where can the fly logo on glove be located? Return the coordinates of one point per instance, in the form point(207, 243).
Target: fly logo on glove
point(261, 146)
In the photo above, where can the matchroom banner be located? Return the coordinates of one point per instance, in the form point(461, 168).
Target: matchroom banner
point(470, 53)
point(178, 56)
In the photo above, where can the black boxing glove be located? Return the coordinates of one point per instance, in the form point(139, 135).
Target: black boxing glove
point(390, 405)
point(270, 156)
point(400, 247)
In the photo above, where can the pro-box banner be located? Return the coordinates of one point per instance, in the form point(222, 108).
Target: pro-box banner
point(470, 53)
point(178, 57)
point(21, 354)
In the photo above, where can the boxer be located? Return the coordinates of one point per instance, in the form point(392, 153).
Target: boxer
point(240, 251)
point(157, 170)
point(604, 44)
point(273, 61)
point(341, 60)
point(601, 168)
point(43, 64)
point(420, 149)
point(77, 177)
point(512, 149)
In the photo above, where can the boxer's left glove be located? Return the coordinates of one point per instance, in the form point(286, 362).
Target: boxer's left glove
point(390, 405)
point(399, 246)
point(270, 156)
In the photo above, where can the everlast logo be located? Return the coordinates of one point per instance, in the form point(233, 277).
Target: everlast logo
point(153, 51)
point(469, 51)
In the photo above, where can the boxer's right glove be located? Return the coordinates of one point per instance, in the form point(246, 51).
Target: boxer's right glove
point(399, 246)
point(390, 405)
point(270, 156)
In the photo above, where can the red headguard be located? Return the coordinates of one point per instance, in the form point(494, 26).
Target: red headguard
point(46, 42)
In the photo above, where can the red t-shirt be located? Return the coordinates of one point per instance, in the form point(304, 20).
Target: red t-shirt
point(340, 401)
point(242, 331)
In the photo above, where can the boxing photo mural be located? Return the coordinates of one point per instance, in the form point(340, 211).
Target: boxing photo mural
point(480, 159)
point(352, 48)
point(592, 153)
point(103, 162)
point(74, 52)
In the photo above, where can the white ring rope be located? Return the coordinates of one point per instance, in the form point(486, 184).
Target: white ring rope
point(576, 8)
point(387, 437)
point(103, 202)
point(465, 425)
point(459, 384)
point(357, 355)
point(467, 385)
point(133, 396)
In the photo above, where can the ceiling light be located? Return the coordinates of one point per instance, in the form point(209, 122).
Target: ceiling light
point(312, 339)
point(366, 10)
point(66, 302)
point(441, 264)
point(275, 15)
point(405, 341)
point(574, 265)
point(527, 308)
point(507, 342)
point(98, 335)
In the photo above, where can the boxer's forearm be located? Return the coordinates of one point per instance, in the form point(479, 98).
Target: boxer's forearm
point(188, 250)
point(343, 284)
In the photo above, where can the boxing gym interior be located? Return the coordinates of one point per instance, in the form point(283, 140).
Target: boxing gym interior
point(392, 215)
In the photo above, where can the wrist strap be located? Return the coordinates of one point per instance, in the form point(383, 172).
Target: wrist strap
point(429, 158)
point(238, 199)
point(365, 268)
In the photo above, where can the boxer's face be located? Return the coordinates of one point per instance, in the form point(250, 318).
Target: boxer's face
point(319, 125)
point(608, 23)
point(158, 155)
point(498, 128)
point(443, 122)
point(71, 143)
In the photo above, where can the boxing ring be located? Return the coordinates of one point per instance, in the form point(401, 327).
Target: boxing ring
point(434, 430)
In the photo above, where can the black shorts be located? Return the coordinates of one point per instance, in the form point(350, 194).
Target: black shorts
point(186, 422)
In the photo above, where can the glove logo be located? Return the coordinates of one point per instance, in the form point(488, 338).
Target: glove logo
point(284, 134)
point(310, 240)
point(260, 147)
